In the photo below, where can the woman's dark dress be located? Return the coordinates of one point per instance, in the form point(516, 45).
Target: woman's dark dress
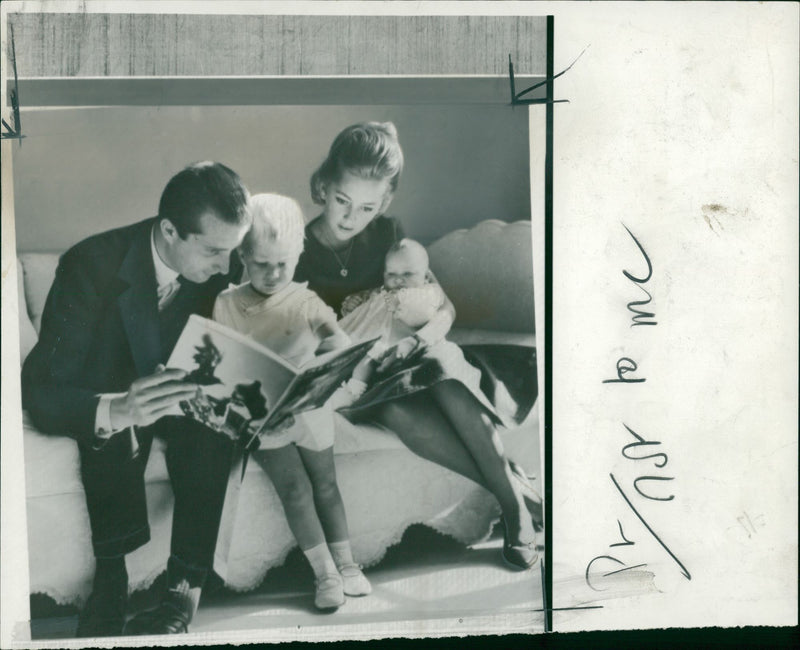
point(319, 267)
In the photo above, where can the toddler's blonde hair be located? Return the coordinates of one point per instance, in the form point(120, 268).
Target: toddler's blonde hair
point(276, 218)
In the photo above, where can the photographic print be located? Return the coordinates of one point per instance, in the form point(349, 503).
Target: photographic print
point(414, 506)
point(573, 226)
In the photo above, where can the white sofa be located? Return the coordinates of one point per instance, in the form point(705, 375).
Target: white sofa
point(486, 271)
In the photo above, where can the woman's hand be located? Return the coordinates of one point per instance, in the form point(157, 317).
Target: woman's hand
point(363, 372)
point(406, 346)
point(399, 352)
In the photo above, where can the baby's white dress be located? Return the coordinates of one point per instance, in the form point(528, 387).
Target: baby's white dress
point(392, 314)
point(396, 314)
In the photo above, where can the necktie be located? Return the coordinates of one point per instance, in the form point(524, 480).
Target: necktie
point(167, 292)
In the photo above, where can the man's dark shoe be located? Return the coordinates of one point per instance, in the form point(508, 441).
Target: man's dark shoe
point(161, 620)
point(104, 612)
point(172, 616)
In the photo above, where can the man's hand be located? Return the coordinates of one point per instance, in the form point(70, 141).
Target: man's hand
point(149, 398)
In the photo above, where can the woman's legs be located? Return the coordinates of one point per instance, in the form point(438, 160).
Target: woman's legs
point(420, 424)
point(447, 426)
point(482, 441)
point(419, 420)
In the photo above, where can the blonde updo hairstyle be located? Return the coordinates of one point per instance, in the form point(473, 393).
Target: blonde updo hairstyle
point(276, 218)
point(369, 150)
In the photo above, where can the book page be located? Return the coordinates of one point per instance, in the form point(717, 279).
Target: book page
point(238, 382)
point(318, 380)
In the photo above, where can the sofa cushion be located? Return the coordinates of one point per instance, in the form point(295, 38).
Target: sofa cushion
point(487, 272)
point(352, 438)
point(39, 272)
point(53, 465)
point(27, 333)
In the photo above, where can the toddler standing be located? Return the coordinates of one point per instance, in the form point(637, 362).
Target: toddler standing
point(292, 320)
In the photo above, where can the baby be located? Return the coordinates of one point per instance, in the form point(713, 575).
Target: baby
point(292, 320)
point(408, 312)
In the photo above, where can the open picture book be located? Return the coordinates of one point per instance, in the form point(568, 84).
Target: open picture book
point(243, 388)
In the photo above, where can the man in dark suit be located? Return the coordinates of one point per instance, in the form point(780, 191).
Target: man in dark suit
point(118, 303)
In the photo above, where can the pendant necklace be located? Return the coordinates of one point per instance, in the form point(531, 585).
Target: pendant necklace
point(342, 265)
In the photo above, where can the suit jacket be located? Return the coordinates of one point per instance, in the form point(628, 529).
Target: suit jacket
point(101, 328)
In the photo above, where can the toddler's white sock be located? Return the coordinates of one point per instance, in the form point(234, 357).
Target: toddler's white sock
point(319, 557)
point(329, 584)
point(355, 582)
point(341, 552)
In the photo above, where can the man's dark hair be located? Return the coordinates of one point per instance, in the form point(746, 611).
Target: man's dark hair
point(200, 188)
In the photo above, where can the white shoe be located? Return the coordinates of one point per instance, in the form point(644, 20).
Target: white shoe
point(355, 582)
point(330, 591)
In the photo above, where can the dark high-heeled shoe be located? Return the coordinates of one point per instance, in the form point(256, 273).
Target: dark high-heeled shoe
point(520, 556)
point(533, 500)
point(520, 471)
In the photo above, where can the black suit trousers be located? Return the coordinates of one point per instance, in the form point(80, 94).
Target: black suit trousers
point(199, 464)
